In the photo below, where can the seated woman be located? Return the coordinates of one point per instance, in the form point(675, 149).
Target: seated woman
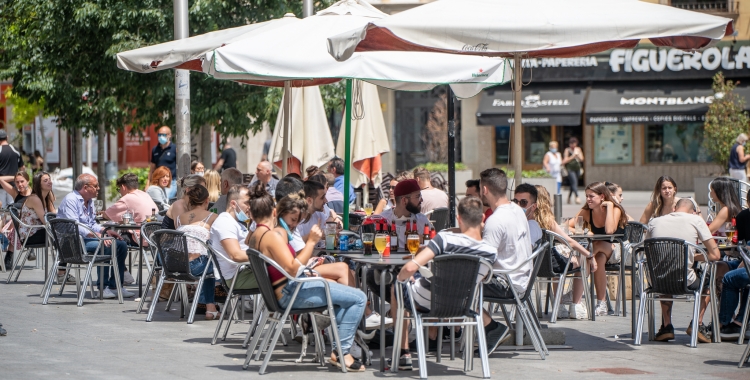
point(213, 184)
point(349, 303)
point(197, 222)
point(161, 179)
point(604, 216)
point(663, 199)
point(180, 205)
point(40, 202)
point(19, 192)
point(544, 215)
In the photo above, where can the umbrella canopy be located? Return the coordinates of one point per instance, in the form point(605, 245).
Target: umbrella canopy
point(310, 141)
point(538, 28)
point(369, 139)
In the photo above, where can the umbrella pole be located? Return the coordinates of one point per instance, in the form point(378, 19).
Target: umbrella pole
point(451, 156)
point(517, 147)
point(287, 129)
point(347, 150)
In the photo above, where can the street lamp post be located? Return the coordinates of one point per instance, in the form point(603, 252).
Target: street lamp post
point(182, 94)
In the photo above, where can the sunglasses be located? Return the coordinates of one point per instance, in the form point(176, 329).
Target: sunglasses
point(162, 134)
point(521, 202)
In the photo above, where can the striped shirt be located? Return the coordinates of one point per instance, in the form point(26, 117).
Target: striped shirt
point(447, 243)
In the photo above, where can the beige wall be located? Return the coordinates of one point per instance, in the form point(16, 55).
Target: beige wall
point(477, 142)
point(640, 176)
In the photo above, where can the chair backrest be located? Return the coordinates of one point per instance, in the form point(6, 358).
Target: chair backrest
point(667, 265)
point(441, 216)
point(68, 241)
point(337, 206)
point(16, 217)
point(539, 249)
point(147, 229)
point(49, 216)
point(453, 285)
point(635, 232)
point(258, 266)
point(545, 266)
point(745, 258)
point(173, 250)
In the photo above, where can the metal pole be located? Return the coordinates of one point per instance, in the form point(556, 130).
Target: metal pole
point(287, 128)
point(517, 147)
point(347, 150)
point(452, 156)
point(182, 94)
point(558, 208)
point(307, 8)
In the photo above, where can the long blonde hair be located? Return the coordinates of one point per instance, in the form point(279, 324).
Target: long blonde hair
point(543, 213)
point(213, 184)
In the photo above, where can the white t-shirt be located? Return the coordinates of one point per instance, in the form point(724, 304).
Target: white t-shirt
point(681, 225)
point(433, 198)
point(535, 231)
point(421, 220)
point(508, 230)
point(226, 227)
point(303, 229)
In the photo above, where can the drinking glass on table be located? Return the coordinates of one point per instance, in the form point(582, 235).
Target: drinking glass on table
point(579, 225)
point(98, 205)
point(412, 243)
point(381, 240)
point(367, 239)
point(729, 230)
point(564, 226)
point(368, 209)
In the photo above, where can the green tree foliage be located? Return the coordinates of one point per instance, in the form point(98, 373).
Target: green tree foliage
point(725, 120)
point(24, 112)
point(64, 52)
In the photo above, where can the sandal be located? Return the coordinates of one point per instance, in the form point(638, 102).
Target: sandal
point(211, 315)
point(356, 366)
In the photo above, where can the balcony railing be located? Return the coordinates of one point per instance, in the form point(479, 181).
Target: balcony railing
point(709, 6)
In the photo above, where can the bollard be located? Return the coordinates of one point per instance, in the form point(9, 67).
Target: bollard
point(558, 208)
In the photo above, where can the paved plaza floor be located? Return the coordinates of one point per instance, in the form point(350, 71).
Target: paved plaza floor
point(104, 339)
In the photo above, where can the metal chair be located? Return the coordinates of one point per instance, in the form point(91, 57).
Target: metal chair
point(147, 229)
point(454, 296)
point(25, 248)
point(746, 260)
point(276, 314)
point(234, 296)
point(71, 249)
point(51, 245)
point(547, 275)
point(441, 218)
point(175, 258)
point(524, 306)
point(666, 263)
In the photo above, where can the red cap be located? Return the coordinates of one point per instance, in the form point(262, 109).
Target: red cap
point(406, 187)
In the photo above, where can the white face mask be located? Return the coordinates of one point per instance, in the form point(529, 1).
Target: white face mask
point(199, 173)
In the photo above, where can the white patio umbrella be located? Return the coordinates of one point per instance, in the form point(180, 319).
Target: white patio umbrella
point(530, 28)
point(309, 139)
point(368, 139)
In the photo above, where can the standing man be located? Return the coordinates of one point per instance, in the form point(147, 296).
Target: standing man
point(10, 162)
point(336, 167)
point(263, 174)
point(508, 230)
point(79, 206)
point(165, 154)
point(432, 198)
point(228, 158)
point(229, 178)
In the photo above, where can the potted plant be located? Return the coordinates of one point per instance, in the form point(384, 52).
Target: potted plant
point(463, 173)
point(725, 120)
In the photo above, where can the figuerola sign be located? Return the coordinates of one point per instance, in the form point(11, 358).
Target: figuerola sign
point(646, 63)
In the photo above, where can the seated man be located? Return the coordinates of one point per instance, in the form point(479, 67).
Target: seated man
point(684, 224)
point(508, 230)
point(229, 177)
point(733, 286)
point(469, 241)
point(317, 211)
point(79, 206)
point(228, 234)
point(525, 196)
point(131, 199)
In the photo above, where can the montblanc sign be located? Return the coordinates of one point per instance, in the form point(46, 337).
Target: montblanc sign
point(648, 63)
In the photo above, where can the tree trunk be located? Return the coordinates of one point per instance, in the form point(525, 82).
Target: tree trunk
point(77, 153)
point(101, 163)
point(206, 147)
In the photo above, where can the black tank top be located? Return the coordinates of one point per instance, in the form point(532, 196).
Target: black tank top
point(600, 230)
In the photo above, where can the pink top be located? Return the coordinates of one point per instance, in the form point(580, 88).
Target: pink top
point(139, 202)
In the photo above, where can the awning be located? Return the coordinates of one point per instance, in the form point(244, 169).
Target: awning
point(542, 106)
point(660, 103)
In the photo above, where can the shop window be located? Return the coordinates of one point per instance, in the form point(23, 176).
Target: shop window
point(613, 144)
point(535, 141)
point(502, 145)
point(675, 143)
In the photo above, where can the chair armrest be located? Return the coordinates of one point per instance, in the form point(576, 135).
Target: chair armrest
point(532, 257)
point(278, 267)
point(697, 248)
point(490, 273)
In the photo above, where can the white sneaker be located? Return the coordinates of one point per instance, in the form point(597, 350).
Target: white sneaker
point(566, 299)
point(126, 293)
point(373, 321)
point(601, 308)
point(127, 279)
point(578, 311)
point(562, 312)
point(108, 294)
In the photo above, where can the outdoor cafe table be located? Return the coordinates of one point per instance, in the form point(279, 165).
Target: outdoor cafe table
point(131, 227)
point(612, 238)
point(388, 264)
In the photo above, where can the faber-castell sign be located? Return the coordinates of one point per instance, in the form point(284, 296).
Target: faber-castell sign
point(532, 101)
point(647, 63)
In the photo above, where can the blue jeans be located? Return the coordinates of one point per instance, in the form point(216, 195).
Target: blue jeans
point(573, 180)
point(121, 251)
point(733, 284)
point(559, 187)
point(348, 304)
point(172, 189)
point(207, 290)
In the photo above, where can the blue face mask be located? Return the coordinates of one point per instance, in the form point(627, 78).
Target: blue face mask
point(553, 150)
point(163, 140)
point(241, 216)
point(286, 227)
